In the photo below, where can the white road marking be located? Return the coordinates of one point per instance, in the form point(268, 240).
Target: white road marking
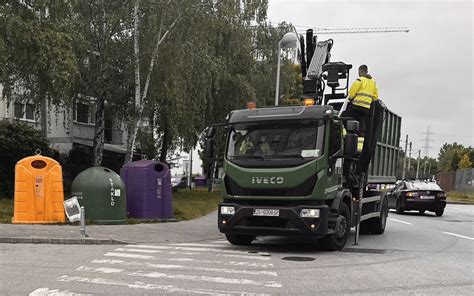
point(400, 221)
point(133, 248)
point(194, 278)
point(219, 262)
point(125, 255)
point(458, 235)
point(211, 245)
point(144, 286)
point(99, 270)
point(198, 278)
point(182, 267)
point(55, 292)
point(150, 247)
point(179, 259)
point(244, 256)
point(139, 250)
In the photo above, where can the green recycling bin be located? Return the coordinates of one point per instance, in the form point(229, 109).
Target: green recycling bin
point(102, 194)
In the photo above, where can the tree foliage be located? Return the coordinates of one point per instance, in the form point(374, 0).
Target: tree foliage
point(216, 56)
point(452, 155)
point(36, 50)
point(17, 141)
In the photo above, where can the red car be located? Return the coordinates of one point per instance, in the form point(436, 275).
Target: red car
point(417, 195)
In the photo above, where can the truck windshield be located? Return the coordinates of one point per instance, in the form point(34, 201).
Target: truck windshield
point(280, 140)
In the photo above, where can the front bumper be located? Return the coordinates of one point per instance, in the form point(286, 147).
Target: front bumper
point(288, 223)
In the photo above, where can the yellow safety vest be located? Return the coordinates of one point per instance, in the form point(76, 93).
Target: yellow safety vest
point(363, 91)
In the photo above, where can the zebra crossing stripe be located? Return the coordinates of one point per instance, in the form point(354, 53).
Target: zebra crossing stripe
point(145, 286)
point(126, 255)
point(190, 268)
point(194, 278)
point(142, 248)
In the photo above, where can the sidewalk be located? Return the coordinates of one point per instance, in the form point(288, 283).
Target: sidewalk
point(203, 228)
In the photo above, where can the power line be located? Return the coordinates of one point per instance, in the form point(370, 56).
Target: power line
point(427, 141)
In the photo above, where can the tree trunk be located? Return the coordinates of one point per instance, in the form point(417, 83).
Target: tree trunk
point(166, 142)
point(98, 145)
point(134, 122)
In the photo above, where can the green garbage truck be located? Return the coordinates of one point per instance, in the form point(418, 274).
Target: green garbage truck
point(297, 170)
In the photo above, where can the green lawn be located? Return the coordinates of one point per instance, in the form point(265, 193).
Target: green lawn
point(193, 204)
point(6, 210)
point(187, 205)
point(460, 197)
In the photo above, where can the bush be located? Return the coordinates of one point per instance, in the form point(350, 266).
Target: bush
point(17, 140)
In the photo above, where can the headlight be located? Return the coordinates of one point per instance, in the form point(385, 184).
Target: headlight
point(225, 210)
point(309, 213)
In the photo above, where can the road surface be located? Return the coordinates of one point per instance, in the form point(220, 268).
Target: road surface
point(417, 255)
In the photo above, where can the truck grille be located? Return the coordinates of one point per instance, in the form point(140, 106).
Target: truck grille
point(304, 189)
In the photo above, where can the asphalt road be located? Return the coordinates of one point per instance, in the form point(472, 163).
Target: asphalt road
point(417, 255)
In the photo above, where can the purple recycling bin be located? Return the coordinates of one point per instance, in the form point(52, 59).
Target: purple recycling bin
point(200, 181)
point(148, 185)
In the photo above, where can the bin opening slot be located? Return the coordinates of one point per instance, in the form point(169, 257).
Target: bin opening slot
point(38, 164)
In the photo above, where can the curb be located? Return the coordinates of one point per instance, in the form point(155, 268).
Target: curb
point(60, 241)
point(460, 203)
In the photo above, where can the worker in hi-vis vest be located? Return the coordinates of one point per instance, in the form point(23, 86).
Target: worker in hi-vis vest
point(361, 94)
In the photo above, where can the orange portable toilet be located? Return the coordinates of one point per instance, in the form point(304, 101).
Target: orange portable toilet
point(39, 194)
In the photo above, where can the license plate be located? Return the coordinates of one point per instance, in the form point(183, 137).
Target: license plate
point(266, 212)
point(427, 197)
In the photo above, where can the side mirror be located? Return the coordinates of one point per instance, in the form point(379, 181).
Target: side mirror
point(350, 145)
point(209, 149)
point(211, 131)
point(352, 126)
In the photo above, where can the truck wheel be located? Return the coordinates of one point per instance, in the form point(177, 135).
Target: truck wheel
point(337, 240)
point(377, 224)
point(398, 208)
point(439, 213)
point(240, 239)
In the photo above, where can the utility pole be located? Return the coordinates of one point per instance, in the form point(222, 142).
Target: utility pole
point(190, 175)
point(409, 162)
point(405, 158)
point(418, 164)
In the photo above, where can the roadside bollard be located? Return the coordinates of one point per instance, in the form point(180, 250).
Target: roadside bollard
point(83, 222)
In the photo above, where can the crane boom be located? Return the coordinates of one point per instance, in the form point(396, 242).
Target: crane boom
point(319, 31)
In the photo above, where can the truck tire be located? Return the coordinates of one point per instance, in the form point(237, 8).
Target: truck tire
point(240, 239)
point(337, 240)
point(439, 213)
point(377, 224)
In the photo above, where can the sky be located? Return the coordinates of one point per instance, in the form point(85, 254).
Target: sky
point(425, 76)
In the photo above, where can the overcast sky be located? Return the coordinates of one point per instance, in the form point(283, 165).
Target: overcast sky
point(425, 76)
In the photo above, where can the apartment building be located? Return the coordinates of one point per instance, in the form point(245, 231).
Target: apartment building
point(66, 127)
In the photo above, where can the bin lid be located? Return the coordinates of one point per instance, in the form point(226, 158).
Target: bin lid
point(140, 164)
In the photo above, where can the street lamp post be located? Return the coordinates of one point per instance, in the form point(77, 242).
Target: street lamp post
point(289, 40)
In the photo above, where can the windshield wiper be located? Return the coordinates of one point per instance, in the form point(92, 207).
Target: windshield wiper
point(247, 157)
point(286, 156)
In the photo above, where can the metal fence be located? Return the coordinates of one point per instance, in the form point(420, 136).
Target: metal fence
point(464, 180)
point(461, 180)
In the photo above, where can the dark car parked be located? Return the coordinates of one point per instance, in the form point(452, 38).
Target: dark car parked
point(417, 195)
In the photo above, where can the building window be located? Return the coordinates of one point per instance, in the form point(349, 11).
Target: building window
point(24, 111)
point(84, 113)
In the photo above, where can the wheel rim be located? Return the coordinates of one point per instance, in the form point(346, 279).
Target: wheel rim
point(341, 227)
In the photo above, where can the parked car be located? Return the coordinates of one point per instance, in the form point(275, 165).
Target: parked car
point(417, 195)
point(178, 182)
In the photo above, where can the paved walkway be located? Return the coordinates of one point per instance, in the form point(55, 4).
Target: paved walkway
point(204, 228)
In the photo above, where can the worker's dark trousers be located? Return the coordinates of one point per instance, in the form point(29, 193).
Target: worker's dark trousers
point(360, 114)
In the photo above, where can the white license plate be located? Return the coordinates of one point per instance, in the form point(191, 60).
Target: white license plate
point(266, 212)
point(427, 197)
